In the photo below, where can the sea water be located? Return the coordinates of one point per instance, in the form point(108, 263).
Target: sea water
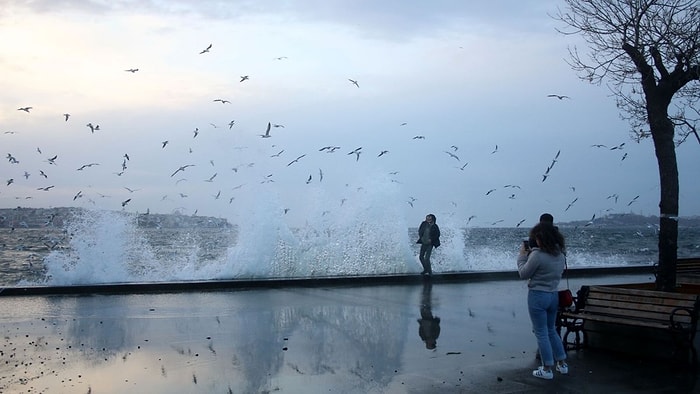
point(365, 238)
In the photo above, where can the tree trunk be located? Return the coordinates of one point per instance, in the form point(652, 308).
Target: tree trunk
point(662, 132)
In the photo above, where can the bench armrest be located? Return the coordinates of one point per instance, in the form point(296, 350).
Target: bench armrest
point(692, 327)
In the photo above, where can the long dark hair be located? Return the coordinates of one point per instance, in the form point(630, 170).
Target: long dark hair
point(551, 240)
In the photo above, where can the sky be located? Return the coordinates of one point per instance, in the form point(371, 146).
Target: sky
point(450, 112)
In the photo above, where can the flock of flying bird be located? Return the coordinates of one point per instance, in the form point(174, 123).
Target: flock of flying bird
point(452, 152)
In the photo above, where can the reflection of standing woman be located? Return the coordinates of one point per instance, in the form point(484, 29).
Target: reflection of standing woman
point(428, 237)
point(544, 267)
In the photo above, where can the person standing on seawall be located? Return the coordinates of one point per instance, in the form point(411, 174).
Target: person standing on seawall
point(543, 267)
point(428, 237)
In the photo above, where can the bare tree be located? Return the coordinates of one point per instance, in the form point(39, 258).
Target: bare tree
point(647, 52)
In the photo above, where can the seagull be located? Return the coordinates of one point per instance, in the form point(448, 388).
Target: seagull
point(66, 116)
point(132, 70)
point(570, 204)
point(320, 175)
point(462, 167)
point(382, 153)
point(196, 132)
point(206, 49)
point(495, 149)
point(618, 147)
point(92, 128)
point(222, 101)
point(633, 200)
point(211, 179)
point(452, 155)
point(11, 181)
point(84, 166)
point(278, 153)
point(267, 132)
point(26, 175)
point(354, 82)
point(164, 143)
point(281, 58)
point(125, 202)
point(131, 190)
point(47, 188)
point(52, 160)
point(309, 180)
point(560, 97)
point(598, 146)
point(490, 191)
point(182, 168)
point(230, 124)
point(25, 109)
point(469, 219)
point(519, 223)
point(244, 77)
point(77, 196)
point(403, 124)
point(295, 160)
point(42, 173)
point(419, 137)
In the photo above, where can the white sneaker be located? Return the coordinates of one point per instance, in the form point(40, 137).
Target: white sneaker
point(563, 368)
point(542, 374)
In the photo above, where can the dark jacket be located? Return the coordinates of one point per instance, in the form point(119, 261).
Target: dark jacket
point(434, 233)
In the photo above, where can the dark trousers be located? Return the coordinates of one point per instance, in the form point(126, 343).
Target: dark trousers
point(424, 257)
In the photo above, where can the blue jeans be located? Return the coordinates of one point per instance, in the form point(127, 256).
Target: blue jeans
point(542, 306)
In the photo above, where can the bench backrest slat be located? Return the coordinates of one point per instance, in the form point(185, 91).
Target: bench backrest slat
point(639, 304)
point(690, 264)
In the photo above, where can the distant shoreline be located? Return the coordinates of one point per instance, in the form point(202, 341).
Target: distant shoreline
point(42, 217)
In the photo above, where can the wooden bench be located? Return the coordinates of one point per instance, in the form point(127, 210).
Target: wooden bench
point(673, 313)
point(688, 270)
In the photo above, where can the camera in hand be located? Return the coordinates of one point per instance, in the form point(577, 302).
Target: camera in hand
point(529, 243)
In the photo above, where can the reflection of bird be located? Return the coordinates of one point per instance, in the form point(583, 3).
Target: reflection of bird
point(560, 97)
point(206, 49)
point(354, 82)
point(267, 131)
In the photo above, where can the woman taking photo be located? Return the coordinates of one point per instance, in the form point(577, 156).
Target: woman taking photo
point(543, 267)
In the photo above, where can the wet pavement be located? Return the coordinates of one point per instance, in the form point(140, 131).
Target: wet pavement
point(442, 336)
